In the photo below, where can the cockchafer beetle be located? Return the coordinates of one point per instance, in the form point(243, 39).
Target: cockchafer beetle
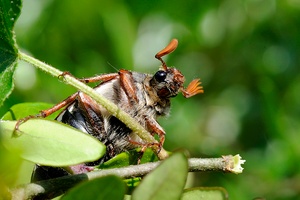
point(145, 97)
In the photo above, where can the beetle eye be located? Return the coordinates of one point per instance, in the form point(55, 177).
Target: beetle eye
point(160, 76)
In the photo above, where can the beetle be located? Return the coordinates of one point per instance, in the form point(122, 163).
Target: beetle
point(144, 97)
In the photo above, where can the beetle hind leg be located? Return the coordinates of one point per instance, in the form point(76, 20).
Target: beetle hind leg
point(47, 112)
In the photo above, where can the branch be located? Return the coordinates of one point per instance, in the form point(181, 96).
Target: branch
point(55, 187)
point(108, 105)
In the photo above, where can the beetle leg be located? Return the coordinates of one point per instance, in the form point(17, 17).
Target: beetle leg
point(156, 128)
point(127, 84)
point(46, 113)
point(67, 101)
point(102, 78)
point(143, 146)
point(92, 112)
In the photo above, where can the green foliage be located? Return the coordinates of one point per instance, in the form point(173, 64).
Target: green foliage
point(21, 110)
point(47, 142)
point(41, 141)
point(51, 143)
point(6, 84)
point(109, 187)
point(128, 158)
point(165, 182)
point(245, 52)
point(9, 168)
point(205, 194)
point(9, 12)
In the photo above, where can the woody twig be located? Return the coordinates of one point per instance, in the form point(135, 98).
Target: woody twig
point(55, 187)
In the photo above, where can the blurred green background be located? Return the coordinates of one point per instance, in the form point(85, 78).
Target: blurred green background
point(245, 52)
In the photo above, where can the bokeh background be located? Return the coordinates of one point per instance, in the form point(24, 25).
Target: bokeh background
point(246, 53)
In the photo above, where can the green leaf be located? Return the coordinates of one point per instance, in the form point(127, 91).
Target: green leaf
point(132, 183)
point(9, 168)
point(205, 193)
point(109, 187)
point(166, 182)
point(129, 158)
point(51, 143)
point(9, 12)
point(21, 110)
point(6, 80)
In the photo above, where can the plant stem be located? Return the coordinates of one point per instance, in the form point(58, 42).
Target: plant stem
point(55, 187)
point(108, 105)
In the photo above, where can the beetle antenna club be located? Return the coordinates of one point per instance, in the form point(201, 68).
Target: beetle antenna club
point(167, 50)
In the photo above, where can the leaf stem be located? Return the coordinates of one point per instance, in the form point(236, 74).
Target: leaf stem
point(108, 105)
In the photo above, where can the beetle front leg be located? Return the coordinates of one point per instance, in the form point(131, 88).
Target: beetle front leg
point(102, 78)
point(143, 147)
point(156, 128)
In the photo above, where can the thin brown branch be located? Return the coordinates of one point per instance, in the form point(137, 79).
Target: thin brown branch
point(55, 187)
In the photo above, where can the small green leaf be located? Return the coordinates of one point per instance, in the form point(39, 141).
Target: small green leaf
point(205, 193)
point(132, 183)
point(129, 158)
point(9, 12)
point(109, 187)
point(51, 143)
point(21, 110)
point(166, 182)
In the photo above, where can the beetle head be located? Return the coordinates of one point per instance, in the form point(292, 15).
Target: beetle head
point(168, 82)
